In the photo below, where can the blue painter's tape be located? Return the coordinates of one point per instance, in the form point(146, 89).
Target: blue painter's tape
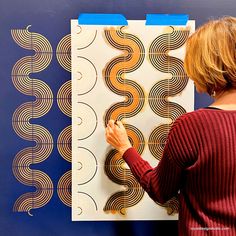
point(166, 19)
point(101, 19)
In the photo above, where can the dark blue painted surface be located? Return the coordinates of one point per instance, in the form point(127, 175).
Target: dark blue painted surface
point(52, 19)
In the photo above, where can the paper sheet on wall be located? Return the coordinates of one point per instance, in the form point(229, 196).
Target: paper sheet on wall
point(134, 74)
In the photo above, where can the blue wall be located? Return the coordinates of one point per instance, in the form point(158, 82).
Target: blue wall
point(51, 18)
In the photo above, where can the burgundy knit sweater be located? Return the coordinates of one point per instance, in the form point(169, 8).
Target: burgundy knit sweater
point(199, 161)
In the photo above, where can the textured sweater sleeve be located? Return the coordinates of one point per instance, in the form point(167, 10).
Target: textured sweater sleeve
point(164, 181)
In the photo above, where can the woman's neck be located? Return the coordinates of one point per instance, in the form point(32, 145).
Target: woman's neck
point(225, 100)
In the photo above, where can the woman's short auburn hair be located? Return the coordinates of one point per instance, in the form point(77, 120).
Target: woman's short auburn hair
point(210, 58)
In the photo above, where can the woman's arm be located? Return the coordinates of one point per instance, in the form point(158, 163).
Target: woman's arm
point(161, 182)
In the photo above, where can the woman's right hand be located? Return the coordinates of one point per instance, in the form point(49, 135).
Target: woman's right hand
point(116, 135)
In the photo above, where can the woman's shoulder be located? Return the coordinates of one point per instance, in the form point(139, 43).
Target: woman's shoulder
point(207, 115)
point(206, 111)
point(192, 115)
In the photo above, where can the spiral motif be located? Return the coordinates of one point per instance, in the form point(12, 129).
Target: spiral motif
point(21, 120)
point(114, 76)
point(63, 54)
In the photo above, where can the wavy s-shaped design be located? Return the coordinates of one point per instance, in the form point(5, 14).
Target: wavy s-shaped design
point(22, 116)
point(63, 54)
point(114, 73)
point(170, 87)
point(164, 89)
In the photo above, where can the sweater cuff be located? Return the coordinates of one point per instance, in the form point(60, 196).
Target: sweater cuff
point(131, 156)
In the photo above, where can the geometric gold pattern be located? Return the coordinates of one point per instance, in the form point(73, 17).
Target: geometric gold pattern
point(132, 56)
point(21, 120)
point(63, 54)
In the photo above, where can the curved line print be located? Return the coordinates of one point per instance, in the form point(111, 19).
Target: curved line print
point(115, 171)
point(114, 76)
point(95, 35)
point(64, 98)
point(96, 207)
point(96, 166)
point(63, 53)
point(81, 48)
point(21, 120)
point(96, 75)
point(96, 120)
point(64, 188)
point(114, 73)
point(162, 90)
point(64, 143)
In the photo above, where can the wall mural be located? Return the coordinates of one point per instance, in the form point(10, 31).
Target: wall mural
point(134, 74)
point(24, 161)
point(22, 170)
point(63, 53)
point(134, 77)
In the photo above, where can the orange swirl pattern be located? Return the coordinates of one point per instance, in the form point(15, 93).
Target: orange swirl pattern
point(21, 120)
point(114, 75)
point(162, 90)
point(63, 54)
point(131, 59)
point(116, 171)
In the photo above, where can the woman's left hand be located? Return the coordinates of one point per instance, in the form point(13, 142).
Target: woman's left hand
point(116, 135)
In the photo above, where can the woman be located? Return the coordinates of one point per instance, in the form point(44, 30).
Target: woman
point(199, 158)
